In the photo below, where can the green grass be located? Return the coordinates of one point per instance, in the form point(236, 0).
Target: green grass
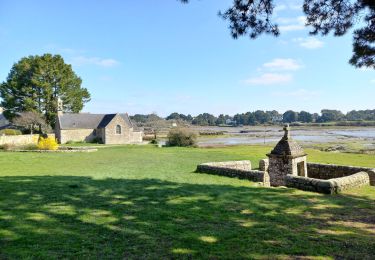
point(142, 202)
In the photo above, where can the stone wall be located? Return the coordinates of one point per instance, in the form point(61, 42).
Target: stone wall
point(330, 171)
point(76, 135)
point(127, 136)
point(238, 165)
point(18, 139)
point(330, 186)
point(281, 166)
point(234, 169)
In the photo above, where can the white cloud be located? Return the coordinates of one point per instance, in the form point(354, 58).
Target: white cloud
point(295, 6)
point(54, 48)
point(270, 79)
point(279, 8)
point(282, 64)
point(372, 81)
point(309, 42)
point(82, 60)
point(292, 24)
point(299, 93)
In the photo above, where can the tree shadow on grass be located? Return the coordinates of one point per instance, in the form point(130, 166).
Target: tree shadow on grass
point(81, 217)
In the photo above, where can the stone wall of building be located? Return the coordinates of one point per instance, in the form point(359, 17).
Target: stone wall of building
point(235, 169)
point(127, 136)
point(76, 135)
point(18, 139)
point(281, 166)
point(330, 186)
point(330, 171)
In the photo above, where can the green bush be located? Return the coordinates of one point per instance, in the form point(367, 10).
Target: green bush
point(10, 132)
point(154, 141)
point(181, 137)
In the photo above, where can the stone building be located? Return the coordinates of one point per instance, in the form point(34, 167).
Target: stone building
point(105, 128)
point(286, 158)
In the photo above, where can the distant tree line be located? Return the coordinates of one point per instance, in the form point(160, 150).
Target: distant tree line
point(263, 117)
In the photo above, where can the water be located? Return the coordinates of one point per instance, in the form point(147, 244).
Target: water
point(273, 135)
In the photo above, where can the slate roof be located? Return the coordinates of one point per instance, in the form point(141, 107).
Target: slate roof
point(89, 121)
point(287, 146)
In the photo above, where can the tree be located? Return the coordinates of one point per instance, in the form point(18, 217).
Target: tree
point(305, 117)
point(254, 17)
point(35, 83)
point(177, 116)
point(204, 119)
point(262, 117)
point(173, 116)
point(31, 121)
point(221, 120)
point(290, 116)
point(329, 115)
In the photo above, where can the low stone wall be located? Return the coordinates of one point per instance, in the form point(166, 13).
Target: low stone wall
point(331, 171)
point(238, 165)
point(331, 186)
point(18, 139)
point(234, 169)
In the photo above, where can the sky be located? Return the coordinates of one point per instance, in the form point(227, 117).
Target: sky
point(161, 56)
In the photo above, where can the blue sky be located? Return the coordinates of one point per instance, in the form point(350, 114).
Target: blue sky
point(162, 56)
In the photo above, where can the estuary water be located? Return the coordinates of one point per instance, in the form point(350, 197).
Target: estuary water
point(271, 135)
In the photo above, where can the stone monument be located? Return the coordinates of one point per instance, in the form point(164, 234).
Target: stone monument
point(286, 158)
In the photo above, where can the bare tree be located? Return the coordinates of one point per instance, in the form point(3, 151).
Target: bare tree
point(31, 121)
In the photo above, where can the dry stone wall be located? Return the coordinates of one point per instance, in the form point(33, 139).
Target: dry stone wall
point(331, 186)
point(234, 169)
point(331, 171)
point(18, 139)
point(238, 165)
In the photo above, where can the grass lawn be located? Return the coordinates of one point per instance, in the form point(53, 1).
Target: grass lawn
point(142, 202)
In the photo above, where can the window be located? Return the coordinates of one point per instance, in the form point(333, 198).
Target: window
point(118, 129)
point(94, 132)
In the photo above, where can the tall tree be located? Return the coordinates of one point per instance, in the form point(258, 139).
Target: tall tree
point(290, 116)
point(35, 83)
point(329, 115)
point(254, 17)
point(305, 117)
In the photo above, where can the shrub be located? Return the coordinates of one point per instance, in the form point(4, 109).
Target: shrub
point(48, 143)
point(154, 141)
point(181, 137)
point(10, 132)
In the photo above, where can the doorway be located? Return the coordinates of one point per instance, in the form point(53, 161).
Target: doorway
point(301, 169)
